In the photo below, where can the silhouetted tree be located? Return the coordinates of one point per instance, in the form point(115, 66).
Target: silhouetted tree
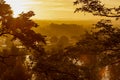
point(60, 66)
point(105, 36)
point(12, 66)
point(20, 27)
point(97, 8)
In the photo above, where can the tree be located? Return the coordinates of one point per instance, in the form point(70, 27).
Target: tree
point(97, 8)
point(19, 28)
point(53, 39)
point(63, 42)
point(94, 49)
point(59, 66)
point(104, 39)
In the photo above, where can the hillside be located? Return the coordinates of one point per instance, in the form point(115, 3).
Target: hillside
point(60, 28)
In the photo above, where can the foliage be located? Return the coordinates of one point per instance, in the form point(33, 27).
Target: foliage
point(104, 38)
point(97, 8)
point(20, 27)
point(98, 48)
point(13, 67)
point(104, 28)
point(12, 64)
point(59, 66)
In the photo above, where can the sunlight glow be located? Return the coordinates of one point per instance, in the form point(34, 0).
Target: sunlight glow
point(54, 9)
point(18, 6)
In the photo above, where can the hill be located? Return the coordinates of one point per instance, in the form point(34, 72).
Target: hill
point(61, 28)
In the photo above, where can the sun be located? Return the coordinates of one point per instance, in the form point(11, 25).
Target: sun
point(17, 6)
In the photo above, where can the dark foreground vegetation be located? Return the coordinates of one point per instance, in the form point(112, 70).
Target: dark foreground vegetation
point(27, 55)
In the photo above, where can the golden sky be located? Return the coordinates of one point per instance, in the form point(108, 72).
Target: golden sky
point(53, 9)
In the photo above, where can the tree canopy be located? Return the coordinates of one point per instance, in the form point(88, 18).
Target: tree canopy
point(97, 8)
point(103, 40)
point(104, 28)
point(20, 27)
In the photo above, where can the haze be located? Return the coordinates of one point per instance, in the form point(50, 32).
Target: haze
point(53, 9)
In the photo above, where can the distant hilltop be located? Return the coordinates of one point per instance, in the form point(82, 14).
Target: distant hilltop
point(61, 28)
point(84, 23)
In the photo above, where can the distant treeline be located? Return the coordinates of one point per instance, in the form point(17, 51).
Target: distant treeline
point(62, 29)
